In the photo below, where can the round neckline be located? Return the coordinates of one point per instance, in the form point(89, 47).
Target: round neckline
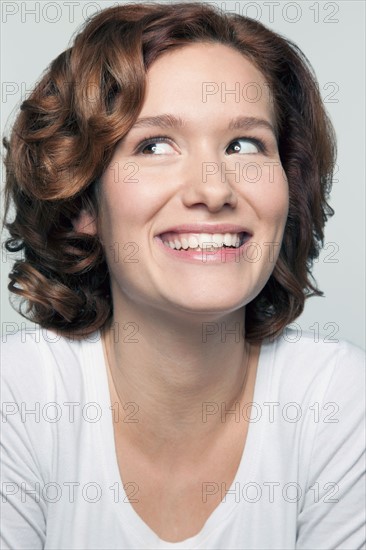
point(141, 531)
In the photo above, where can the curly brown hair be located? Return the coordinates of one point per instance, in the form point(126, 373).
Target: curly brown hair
point(88, 99)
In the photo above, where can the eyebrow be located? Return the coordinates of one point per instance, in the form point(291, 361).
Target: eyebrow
point(171, 121)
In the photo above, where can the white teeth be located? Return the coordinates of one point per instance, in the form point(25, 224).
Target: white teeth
point(217, 239)
point(185, 244)
point(193, 242)
point(227, 239)
point(205, 241)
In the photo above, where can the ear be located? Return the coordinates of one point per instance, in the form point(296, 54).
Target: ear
point(85, 223)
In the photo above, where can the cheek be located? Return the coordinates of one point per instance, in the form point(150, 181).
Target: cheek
point(276, 204)
point(126, 205)
point(269, 195)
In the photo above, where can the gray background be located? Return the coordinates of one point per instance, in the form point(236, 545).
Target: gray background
point(332, 36)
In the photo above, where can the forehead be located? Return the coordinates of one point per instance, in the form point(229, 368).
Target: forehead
point(206, 82)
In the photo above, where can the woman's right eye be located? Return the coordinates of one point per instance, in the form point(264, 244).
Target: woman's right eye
point(155, 146)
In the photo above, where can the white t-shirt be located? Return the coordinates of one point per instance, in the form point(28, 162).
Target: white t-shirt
point(299, 483)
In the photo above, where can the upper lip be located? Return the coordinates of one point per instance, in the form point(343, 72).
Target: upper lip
point(206, 228)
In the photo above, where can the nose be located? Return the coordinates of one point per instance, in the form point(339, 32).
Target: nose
point(208, 183)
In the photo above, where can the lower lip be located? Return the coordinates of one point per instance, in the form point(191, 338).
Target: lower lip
point(218, 256)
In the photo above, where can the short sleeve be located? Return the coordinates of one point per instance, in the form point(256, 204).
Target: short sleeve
point(23, 509)
point(333, 512)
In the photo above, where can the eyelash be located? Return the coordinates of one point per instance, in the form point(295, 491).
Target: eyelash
point(152, 139)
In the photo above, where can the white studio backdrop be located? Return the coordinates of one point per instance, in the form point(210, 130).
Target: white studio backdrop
point(332, 36)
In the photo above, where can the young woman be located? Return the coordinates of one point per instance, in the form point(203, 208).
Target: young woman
point(168, 228)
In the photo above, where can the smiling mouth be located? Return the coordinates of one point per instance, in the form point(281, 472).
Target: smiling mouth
point(204, 241)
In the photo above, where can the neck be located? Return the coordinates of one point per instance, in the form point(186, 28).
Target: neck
point(178, 375)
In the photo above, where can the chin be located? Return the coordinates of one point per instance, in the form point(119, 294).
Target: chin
point(214, 305)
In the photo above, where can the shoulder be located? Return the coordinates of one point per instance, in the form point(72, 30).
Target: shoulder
point(308, 364)
point(28, 349)
point(38, 360)
point(305, 351)
point(310, 347)
point(318, 390)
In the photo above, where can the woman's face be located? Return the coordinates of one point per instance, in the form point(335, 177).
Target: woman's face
point(219, 172)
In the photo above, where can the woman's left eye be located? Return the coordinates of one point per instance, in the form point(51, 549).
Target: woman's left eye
point(245, 146)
